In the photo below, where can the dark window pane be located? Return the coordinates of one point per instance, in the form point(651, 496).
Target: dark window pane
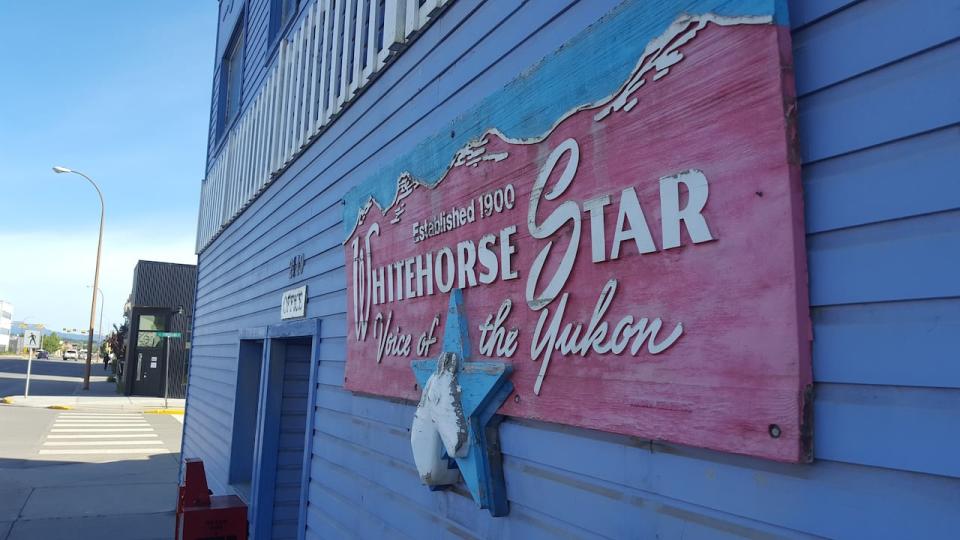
point(234, 79)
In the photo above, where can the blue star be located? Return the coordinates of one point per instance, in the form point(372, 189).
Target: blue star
point(456, 418)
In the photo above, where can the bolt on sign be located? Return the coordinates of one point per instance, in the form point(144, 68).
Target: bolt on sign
point(639, 258)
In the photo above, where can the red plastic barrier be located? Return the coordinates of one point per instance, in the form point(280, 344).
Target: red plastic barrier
point(201, 516)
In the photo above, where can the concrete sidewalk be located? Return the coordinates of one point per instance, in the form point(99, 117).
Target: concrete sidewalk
point(101, 395)
point(87, 494)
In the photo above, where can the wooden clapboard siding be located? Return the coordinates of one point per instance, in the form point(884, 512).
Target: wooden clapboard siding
point(281, 106)
point(879, 122)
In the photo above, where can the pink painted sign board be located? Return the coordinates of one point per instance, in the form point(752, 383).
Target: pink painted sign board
point(641, 265)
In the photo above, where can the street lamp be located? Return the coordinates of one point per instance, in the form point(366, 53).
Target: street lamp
point(100, 329)
point(96, 274)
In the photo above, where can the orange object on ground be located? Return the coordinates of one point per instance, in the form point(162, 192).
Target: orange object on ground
point(201, 515)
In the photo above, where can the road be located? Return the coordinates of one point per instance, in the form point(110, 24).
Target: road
point(53, 377)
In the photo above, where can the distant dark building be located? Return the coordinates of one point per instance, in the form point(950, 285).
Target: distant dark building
point(161, 301)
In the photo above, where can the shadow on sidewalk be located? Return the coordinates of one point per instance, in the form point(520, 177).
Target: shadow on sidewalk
point(130, 498)
point(99, 387)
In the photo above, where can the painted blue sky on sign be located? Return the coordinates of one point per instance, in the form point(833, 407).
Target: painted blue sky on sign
point(428, 161)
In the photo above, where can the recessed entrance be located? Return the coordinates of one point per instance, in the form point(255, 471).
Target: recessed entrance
point(273, 415)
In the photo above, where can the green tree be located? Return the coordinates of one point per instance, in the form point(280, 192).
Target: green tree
point(51, 343)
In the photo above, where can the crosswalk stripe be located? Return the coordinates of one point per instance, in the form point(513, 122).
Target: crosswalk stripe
point(104, 436)
point(97, 443)
point(77, 417)
point(89, 451)
point(131, 419)
point(111, 424)
point(98, 415)
point(85, 433)
point(112, 419)
point(89, 430)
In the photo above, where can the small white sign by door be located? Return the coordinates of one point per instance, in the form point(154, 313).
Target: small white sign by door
point(294, 303)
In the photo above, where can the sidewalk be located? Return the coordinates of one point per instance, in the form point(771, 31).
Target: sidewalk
point(101, 395)
point(86, 495)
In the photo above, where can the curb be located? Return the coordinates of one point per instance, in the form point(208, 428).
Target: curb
point(163, 411)
point(9, 401)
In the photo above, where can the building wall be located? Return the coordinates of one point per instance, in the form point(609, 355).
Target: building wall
point(6, 324)
point(880, 123)
point(254, 18)
point(166, 285)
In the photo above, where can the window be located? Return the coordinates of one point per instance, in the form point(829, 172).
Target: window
point(281, 11)
point(231, 87)
point(150, 322)
point(147, 331)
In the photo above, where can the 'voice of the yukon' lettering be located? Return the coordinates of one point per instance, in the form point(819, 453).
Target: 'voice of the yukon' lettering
point(389, 344)
point(495, 340)
point(570, 339)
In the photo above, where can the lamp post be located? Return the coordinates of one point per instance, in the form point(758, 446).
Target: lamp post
point(96, 275)
point(100, 328)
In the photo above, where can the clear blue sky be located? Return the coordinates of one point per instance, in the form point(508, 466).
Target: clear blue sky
point(121, 91)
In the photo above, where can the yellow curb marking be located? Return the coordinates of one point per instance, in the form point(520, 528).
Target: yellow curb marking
point(163, 411)
point(60, 407)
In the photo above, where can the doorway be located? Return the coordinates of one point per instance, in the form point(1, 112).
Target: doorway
point(284, 430)
point(148, 356)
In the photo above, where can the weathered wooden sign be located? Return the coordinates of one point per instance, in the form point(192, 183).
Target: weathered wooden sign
point(641, 262)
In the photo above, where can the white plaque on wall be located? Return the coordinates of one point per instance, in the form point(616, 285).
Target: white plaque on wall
point(294, 303)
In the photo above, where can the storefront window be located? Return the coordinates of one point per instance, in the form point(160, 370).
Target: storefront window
point(150, 322)
point(147, 334)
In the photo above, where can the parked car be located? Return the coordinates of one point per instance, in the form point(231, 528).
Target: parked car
point(70, 354)
point(42, 354)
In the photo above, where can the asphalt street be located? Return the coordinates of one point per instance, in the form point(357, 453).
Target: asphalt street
point(53, 377)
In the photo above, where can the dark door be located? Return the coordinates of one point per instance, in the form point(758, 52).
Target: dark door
point(148, 379)
point(149, 357)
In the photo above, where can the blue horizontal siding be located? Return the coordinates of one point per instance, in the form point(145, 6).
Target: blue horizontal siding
point(852, 52)
point(905, 98)
point(804, 13)
point(896, 427)
point(903, 259)
point(828, 499)
point(559, 471)
point(907, 177)
point(878, 115)
point(888, 343)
